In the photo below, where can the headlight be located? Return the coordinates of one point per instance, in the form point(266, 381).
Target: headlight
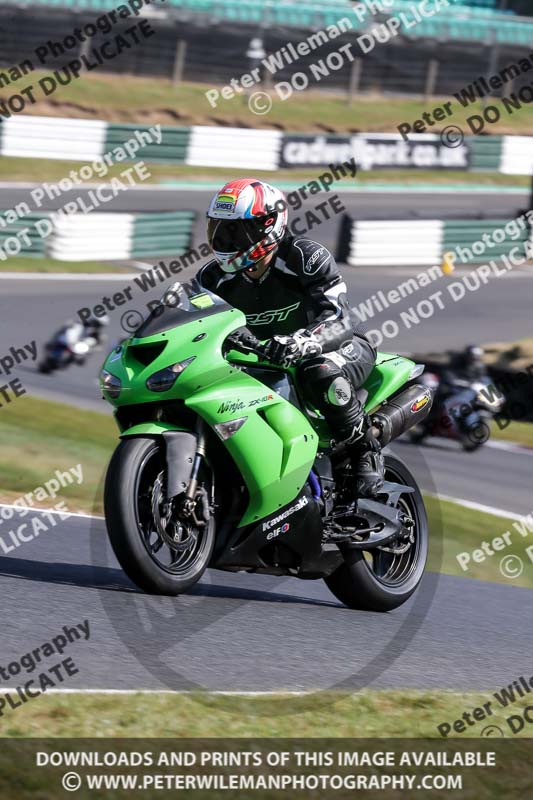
point(164, 380)
point(110, 383)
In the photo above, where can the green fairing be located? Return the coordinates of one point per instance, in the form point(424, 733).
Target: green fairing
point(276, 447)
point(390, 374)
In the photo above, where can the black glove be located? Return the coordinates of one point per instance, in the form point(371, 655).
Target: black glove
point(286, 351)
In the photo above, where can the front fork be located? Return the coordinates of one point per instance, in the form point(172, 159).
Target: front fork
point(190, 500)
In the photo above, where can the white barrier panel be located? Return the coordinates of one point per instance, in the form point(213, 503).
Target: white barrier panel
point(396, 242)
point(89, 224)
point(517, 155)
point(90, 237)
point(233, 147)
point(88, 250)
point(52, 137)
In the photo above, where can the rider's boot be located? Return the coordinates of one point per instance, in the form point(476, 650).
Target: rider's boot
point(367, 459)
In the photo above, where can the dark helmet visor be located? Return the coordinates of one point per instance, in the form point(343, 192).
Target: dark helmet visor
point(236, 235)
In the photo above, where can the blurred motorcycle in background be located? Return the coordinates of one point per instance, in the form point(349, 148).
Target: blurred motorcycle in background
point(462, 410)
point(72, 344)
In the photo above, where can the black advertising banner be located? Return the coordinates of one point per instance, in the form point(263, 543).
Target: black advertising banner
point(374, 151)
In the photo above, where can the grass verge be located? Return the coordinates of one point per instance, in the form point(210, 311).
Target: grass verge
point(518, 432)
point(465, 530)
point(22, 264)
point(127, 98)
point(40, 170)
point(370, 713)
point(39, 437)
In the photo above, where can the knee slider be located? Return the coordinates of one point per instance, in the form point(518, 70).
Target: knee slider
point(339, 392)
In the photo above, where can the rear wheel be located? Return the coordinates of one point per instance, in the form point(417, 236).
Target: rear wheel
point(161, 546)
point(46, 366)
point(467, 443)
point(384, 578)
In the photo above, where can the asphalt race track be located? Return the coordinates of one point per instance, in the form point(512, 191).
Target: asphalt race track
point(362, 205)
point(253, 633)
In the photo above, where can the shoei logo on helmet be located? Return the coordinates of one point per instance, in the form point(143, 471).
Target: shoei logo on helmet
point(225, 202)
point(420, 403)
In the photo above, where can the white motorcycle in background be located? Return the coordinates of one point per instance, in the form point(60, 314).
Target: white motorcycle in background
point(69, 345)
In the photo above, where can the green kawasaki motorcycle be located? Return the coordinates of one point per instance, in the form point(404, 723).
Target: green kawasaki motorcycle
point(222, 464)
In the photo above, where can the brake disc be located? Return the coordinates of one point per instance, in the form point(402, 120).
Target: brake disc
point(177, 534)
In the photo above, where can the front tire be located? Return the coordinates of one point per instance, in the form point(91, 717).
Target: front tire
point(383, 582)
point(135, 475)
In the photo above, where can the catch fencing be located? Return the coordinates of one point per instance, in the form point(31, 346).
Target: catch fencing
point(435, 57)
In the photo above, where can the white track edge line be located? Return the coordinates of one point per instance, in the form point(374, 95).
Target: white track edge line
point(496, 512)
point(51, 511)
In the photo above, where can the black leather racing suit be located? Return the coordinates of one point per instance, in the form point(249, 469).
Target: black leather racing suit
point(303, 290)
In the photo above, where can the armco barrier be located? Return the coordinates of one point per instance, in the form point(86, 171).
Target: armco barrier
point(233, 147)
point(418, 242)
point(243, 148)
point(106, 236)
point(47, 137)
point(30, 242)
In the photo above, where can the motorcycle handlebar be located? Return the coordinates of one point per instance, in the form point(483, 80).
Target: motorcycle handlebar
point(245, 342)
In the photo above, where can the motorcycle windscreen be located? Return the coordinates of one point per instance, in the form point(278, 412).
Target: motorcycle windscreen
point(166, 316)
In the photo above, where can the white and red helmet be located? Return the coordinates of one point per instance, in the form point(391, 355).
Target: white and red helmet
point(247, 219)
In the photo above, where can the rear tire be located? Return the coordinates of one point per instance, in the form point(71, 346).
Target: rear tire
point(467, 444)
point(134, 460)
point(356, 584)
point(46, 366)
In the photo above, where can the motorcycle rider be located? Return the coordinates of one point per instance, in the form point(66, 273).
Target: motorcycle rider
point(468, 365)
point(93, 328)
point(451, 399)
point(293, 295)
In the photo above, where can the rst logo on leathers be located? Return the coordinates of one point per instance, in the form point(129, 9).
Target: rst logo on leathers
point(274, 315)
point(316, 261)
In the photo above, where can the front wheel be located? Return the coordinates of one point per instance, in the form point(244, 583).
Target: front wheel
point(160, 545)
point(378, 580)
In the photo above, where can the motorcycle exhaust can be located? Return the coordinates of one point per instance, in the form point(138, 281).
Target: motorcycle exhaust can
point(406, 409)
